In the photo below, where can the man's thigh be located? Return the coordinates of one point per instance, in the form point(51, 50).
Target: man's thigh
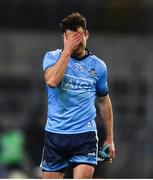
point(84, 156)
point(52, 175)
point(86, 149)
point(82, 150)
point(53, 161)
point(83, 171)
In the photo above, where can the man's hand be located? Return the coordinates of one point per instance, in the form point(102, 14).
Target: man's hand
point(110, 142)
point(72, 41)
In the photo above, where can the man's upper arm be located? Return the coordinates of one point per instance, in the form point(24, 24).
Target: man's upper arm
point(49, 61)
point(102, 85)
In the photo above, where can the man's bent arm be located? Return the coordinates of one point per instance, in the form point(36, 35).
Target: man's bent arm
point(105, 109)
point(54, 74)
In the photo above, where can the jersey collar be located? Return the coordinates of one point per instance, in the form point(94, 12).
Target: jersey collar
point(83, 57)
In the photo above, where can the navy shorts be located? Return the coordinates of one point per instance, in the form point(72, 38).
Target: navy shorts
point(63, 150)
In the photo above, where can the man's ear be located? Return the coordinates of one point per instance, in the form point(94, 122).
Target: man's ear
point(64, 35)
point(87, 34)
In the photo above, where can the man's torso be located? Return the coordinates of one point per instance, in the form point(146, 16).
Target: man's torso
point(71, 107)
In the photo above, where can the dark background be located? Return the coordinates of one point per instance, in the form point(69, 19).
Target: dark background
point(121, 33)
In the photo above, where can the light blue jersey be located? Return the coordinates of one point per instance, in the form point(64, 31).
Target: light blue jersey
point(71, 105)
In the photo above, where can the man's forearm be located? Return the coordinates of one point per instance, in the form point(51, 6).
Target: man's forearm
point(108, 118)
point(54, 75)
point(105, 107)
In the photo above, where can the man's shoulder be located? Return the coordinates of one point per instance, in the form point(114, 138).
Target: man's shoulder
point(100, 62)
point(51, 58)
point(54, 52)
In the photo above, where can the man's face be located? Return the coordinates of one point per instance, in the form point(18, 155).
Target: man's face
point(82, 45)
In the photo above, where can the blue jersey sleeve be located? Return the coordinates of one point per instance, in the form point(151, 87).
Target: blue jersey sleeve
point(49, 60)
point(102, 85)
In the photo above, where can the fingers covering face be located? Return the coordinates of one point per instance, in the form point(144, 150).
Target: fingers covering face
point(75, 37)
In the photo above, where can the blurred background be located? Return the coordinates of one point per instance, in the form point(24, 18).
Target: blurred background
point(121, 33)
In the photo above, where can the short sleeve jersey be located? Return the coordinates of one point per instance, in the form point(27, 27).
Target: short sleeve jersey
point(71, 104)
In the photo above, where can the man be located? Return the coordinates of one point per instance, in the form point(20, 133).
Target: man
point(74, 78)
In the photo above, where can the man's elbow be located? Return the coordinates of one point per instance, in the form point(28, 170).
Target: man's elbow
point(52, 83)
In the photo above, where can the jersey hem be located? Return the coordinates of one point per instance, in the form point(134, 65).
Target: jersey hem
point(70, 132)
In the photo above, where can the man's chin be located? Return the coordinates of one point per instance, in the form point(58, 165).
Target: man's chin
point(78, 51)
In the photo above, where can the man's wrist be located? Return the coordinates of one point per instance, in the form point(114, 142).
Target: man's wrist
point(109, 137)
point(66, 53)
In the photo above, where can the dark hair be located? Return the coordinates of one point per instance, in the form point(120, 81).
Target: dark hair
point(73, 22)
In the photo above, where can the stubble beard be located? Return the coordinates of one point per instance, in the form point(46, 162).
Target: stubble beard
point(79, 51)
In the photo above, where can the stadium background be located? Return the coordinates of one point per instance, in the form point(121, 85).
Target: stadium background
point(121, 34)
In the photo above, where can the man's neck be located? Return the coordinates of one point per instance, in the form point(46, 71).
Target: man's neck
point(81, 54)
